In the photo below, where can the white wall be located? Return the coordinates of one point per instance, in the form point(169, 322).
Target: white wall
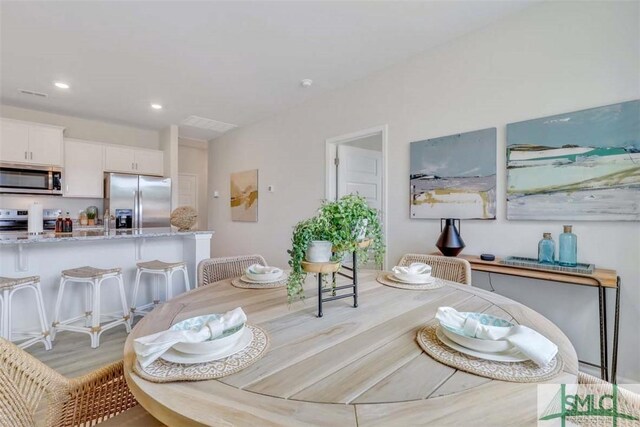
point(552, 58)
point(193, 158)
point(93, 130)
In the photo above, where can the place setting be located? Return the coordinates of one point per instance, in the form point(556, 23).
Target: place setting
point(200, 348)
point(490, 346)
point(258, 276)
point(415, 276)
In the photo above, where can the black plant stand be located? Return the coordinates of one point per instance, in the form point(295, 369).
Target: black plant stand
point(323, 269)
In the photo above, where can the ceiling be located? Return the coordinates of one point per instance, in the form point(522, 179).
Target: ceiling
point(236, 62)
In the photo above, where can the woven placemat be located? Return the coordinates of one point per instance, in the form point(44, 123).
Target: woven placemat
point(239, 283)
point(162, 371)
point(519, 372)
point(385, 279)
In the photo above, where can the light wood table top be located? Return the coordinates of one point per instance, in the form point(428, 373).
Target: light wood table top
point(355, 366)
point(600, 277)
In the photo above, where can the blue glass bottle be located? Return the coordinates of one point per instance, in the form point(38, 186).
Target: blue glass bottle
point(568, 256)
point(546, 249)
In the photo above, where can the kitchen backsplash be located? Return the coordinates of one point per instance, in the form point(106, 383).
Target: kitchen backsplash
point(72, 205)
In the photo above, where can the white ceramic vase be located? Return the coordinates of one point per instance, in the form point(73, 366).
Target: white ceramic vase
point(319, 251)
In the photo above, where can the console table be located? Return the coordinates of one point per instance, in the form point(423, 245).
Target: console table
point(602, 279)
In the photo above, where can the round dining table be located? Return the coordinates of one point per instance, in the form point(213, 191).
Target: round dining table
point(354, 366)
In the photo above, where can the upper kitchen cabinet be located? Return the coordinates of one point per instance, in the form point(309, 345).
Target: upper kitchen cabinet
point(150, 162)
point(83, 169)
point(30, 143)
point(130, 160)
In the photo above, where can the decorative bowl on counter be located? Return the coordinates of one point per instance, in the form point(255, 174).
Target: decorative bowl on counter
point(184, 217)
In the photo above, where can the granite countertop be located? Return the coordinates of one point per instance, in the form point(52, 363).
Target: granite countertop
point(12, 238)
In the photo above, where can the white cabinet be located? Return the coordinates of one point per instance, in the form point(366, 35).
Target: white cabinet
point(83, 169)
point(149, 162)
point(119, 159)
point(14, 142)
point(130, 160)
point(30, 143)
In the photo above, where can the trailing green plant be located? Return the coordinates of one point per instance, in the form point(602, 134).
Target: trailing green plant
point(339, 222)
point(91, 215)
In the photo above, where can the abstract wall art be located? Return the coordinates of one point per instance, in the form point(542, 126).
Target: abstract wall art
point(454, 176)
point(244, 196)
point(583, 165)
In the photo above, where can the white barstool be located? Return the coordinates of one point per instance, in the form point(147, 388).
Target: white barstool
point(8, 287)
point(157, 269)
point(92, 279)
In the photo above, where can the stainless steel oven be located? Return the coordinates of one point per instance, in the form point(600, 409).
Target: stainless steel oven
point(24, 179)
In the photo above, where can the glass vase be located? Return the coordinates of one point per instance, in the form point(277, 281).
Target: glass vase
point(568, 256)
point(546, 250)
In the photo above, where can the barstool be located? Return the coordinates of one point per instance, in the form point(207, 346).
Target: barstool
point(92, 278)
point(157, 268)
point(9, 286)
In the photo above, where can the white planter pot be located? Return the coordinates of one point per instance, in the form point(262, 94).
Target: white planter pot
point(319, 251)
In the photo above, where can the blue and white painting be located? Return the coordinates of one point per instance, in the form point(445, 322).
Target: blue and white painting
point(583, 165)
point(454, 176)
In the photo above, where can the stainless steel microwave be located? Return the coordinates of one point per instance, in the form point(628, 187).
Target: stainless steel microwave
point(25, 179)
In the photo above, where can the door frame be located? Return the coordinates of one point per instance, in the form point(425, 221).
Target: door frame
point(331, 148)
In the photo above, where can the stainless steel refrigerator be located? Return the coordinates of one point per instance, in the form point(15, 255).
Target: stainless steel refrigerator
point(138, 201)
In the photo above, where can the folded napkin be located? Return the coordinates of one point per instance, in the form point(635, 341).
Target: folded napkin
point(151, 347)
point(529, 342)
point(262, 269)
point(414, 269)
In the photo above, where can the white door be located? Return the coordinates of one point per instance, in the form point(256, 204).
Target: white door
point(188, 192)
point(360, 171)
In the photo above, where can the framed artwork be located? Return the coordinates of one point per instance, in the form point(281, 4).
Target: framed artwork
point(244, 196)
point(583, 165)
point(454, 176)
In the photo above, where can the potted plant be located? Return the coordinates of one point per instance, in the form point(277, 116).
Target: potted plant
point(346, 223)
point(91, 217)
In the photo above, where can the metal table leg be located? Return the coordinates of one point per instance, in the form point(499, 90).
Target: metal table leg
point(616, 328)
point(355, 279)
point(319, 294)
point(604, 351)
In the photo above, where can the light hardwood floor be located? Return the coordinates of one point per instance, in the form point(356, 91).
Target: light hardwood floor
point(72, 354)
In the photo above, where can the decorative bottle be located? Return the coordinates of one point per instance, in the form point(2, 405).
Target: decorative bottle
point(568, 256)
point(546, 249)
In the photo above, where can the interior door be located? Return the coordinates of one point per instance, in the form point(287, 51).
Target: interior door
point(360, 172)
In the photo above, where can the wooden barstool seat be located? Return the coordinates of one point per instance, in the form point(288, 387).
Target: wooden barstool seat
point(8, 287)
point(92, 278)
point(158, 269)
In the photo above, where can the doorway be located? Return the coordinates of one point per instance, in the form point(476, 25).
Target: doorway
point(356, 163)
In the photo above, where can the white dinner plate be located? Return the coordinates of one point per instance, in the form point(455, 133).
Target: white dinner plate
point(428, 281)
point(244, 278)
point(175, 356)
point(512, 355)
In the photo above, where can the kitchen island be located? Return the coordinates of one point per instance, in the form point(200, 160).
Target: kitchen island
point(48, 254)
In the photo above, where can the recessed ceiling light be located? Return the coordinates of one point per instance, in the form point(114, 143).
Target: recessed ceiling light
point(306, 82)
point(156, 106)
point(61, 85)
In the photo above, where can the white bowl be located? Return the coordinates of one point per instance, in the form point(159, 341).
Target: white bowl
point(486, 346)
point(413, 278)
point(264, 277)
point(227, 339)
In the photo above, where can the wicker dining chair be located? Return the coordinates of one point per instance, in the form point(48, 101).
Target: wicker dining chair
point(215, 269)
point(447, 268)
point(83, 401)
point(628, 401)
